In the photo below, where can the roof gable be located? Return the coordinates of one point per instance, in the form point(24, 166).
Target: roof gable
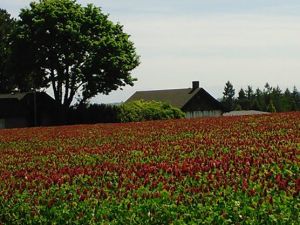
point(203, 101)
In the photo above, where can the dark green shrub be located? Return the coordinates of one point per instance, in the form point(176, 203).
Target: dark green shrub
point(148, 110)
point(92, 113)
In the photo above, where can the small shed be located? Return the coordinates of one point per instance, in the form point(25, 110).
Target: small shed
point(195, 101)
point(27, 109)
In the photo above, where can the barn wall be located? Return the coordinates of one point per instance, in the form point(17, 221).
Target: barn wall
point(45, 119)
point(16, 122)
point(196, 114)
point(2, 123)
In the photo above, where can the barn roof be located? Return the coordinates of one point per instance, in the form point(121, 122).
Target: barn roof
point(176, 97)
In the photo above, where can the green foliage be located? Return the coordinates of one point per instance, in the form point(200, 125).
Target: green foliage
point(271, 107)
point(72, 48)
point(7, 25)
point(242, 100)
point(148, 110)
point(228, 96)
point(270, 99)
point(92, 113)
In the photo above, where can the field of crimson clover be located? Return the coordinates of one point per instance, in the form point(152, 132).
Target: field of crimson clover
point(240, 170)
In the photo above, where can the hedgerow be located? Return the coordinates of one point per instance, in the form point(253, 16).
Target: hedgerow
point(147, 110)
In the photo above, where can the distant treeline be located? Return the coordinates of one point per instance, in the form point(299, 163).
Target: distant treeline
point(271, 99)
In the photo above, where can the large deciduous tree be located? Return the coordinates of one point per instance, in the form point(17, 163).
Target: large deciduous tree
point(72, 48)
point(7, 25)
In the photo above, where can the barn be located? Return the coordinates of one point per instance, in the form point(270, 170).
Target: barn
point(27, 109)
point(195, 101)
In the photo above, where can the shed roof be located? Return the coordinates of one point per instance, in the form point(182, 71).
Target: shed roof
point(21, 95)
point(18, 96)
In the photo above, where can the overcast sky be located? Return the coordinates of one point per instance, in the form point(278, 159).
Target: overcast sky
point(246, 42)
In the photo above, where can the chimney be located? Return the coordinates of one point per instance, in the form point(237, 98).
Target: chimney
point(195, 85)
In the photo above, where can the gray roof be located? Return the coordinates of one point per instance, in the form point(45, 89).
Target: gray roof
point(21, 95)
point(18, 96)
point(175, 97)
point(245, 113)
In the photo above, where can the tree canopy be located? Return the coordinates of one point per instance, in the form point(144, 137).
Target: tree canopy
point(228, 96)
point(270, 99)
point(7, 25)
point(72, 48)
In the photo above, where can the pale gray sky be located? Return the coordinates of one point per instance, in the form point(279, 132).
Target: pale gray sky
point(246, 42)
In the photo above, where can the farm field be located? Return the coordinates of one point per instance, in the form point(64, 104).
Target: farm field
point(233, 170)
